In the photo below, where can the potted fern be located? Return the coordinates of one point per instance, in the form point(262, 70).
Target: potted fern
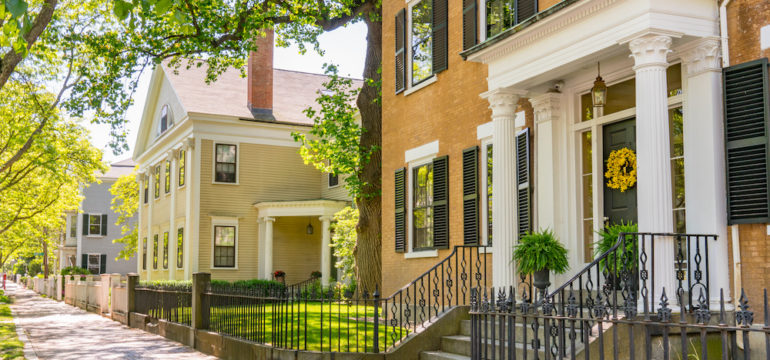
point(538, 254)
point(623, 259)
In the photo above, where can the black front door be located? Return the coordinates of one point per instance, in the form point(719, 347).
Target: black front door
point(618, 206)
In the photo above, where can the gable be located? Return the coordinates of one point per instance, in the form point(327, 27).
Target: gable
point(160, 93)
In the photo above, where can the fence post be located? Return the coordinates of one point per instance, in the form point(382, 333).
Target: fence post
point(133, 280)
point(376, 342)
point(200, 283)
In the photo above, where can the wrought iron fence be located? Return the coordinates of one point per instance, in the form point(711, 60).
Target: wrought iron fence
point(172, 303)
point(503, 327)
point(330, 320)
point(305, 286)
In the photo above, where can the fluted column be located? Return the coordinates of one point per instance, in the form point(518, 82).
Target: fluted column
point(268, 266)
point(172, 216)
point(189, 215)
point(654, 193)
point(704, 164)
point(150, 202)
point(503, 103)
point(326, 255)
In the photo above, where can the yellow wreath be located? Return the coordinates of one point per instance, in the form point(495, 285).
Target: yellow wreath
point(621, 169)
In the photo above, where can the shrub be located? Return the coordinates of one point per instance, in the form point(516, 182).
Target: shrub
point(344, 243)
point(74, 270)
point(167, 284)
point(607, 239)
point(539, 251)
point(254, 286)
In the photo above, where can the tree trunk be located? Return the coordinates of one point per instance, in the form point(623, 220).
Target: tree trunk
point(368, 251)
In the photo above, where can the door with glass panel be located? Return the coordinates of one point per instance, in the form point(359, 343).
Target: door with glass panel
point(618, 205)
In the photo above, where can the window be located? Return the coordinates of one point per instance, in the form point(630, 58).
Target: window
point(167, 177)
point(181, 167)
point(489, 194)
point(179, 248)
point(165, 250)
point(225, 163)
point(586, 173)
point(155, 251)
point(73, 226)
point(501, 15)
point(146, 189)
point(144, 254)
point(224, 246)
point(156, 181)
point(334, 180)
point(94, 263)
point(422, 213)
point(677, 168)
point(94, 224)
point(166, 120)
point(421, 41)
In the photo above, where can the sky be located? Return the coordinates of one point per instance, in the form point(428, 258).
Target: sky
point(344, 47)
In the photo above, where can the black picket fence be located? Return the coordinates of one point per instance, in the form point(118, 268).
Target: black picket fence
point(332, 320)
point(172, 303)
point(503, 327)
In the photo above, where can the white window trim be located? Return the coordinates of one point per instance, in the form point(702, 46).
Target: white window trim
point(169, 120)
point(99, 235)
point(214, 162)
point(223, 221)
point(418, 156)
point(339, 181)
point(73, 220)
point(99, 262)
point(408, 44)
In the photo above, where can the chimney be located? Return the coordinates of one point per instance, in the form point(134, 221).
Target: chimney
point(260, 78)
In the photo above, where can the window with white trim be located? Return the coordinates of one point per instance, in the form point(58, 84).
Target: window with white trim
point(224, 245)
point(225, 163)
point(166, 120)
point(422, 206)
point(334, 180)
point(73, 226)
point(94, 225)
point(421, 38)
point(94, 263)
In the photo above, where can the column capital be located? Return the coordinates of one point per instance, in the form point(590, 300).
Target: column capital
point(189, 142)
point(650, 50)
point(503, 102)
point(546, 107)
point(267, 219)
point(701, 55)
point(326, 218)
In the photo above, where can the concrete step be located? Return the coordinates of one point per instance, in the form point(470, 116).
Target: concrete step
point(440, 355)
point(465, 329)
point(461, 345)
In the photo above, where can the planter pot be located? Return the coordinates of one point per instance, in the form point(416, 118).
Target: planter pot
point(542, 279)
point(281, 279)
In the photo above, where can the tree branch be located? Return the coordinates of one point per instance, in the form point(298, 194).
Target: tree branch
point(11, 59)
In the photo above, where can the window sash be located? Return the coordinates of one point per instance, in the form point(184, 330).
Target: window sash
point(225, 163)
point(156, 181)
point(94, 263)
point(167, 177)
point(180, 248)
point(181, 174)
point(421, 42)
point(144, 254)
point(165, 250)
point(422, 208)
point(94, 226)
point(73, 226)
point(155, 251)
point(224, 245)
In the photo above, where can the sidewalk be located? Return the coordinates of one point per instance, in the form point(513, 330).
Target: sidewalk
point(59, 331)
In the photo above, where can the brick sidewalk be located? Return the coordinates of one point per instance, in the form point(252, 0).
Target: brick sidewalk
point(59, 331)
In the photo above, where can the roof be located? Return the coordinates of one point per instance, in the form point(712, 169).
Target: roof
point(120, 168)
point(293, 92)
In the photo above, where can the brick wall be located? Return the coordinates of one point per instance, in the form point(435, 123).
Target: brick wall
point(744, 20)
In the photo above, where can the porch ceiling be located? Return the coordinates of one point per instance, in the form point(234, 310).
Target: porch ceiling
point(319, 207)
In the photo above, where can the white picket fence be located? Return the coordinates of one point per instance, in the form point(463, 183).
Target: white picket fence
point(103, 294)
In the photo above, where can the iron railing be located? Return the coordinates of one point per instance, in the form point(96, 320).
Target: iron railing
point(331, 320)
point(304, 286)
point(504, 328)
point(172, 303)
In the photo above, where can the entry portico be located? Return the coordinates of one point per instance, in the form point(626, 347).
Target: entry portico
point(321, 209)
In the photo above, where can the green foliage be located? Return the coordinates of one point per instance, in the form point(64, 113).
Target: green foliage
point(265, 286)
point(10, 346)
point(125, 203)
point(333, 144)
point(166, 284)
point(74, 270)
point(344, 243)
point(538, 251)
point(607, 239)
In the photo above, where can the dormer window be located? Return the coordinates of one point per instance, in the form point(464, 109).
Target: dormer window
point(166, 120)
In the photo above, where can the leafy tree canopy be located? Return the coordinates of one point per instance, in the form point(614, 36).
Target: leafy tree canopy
point(125, 203)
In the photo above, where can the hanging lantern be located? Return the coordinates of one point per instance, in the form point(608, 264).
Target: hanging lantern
point(599, 91)
point(309, 227)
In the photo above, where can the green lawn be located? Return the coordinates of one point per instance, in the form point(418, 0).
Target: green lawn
point(335, 326)
point(10, 346)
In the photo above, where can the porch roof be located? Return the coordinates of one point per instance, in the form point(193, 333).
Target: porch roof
point(319, 207)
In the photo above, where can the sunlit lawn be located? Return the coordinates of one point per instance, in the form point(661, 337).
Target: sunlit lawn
point(10, 346)
point(331, 326)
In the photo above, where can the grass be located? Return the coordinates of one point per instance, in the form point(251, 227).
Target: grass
point(10, 346)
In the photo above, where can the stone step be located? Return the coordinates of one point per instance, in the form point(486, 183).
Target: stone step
point(465, 329)
point(461, 345)
point(440, 355)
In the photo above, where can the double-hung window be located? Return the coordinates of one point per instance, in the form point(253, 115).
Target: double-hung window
point(225, 165)
point(488, 192)
point(156, 181)
point(167, 178)
point(181, 163)
point(146, 189)
point(224, 246)
point(144, 254)
point(94, 263)
point(94, 225)
point(421, 41)
point(422, 212)
point(165, 250)
point(155, 251)
point(179, 248)
point(334, 180)
point(73, 226)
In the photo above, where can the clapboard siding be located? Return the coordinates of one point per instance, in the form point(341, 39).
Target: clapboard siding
point(294, 251)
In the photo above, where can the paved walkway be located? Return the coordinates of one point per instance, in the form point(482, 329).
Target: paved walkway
point(55, 330)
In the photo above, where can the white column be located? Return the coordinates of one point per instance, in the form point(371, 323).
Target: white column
point(79, 247)
point(139, 250)
point(172, 216)
point(326, 255)
point(704, 163)
point(654, 194)
point(268, 266)
point(503, 103)
point(150, 202)
point(188, 213)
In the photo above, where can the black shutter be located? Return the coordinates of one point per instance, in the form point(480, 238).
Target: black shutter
point(400, 51)
point(471, 196)
point(84, 261)
point(441, 202)
point(104, 225)
point(400, 192)
point(747, 112)
point(525, 9)
point(470, 24)
point(440, 42)
point(85, 224)
point(523, 178)
point(103, 264)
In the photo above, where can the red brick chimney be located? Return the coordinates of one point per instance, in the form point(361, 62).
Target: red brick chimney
point(260, 78)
